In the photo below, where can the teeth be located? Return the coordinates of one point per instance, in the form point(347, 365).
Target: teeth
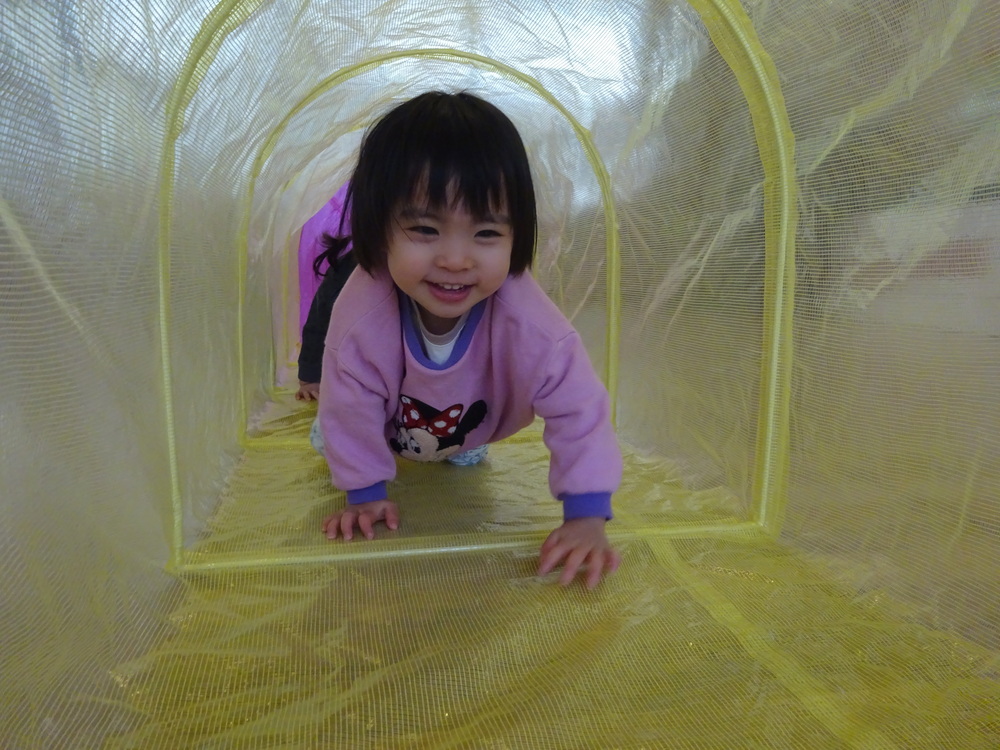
point(452, 287)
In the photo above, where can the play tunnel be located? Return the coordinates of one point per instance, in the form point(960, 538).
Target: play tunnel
point(776, 224)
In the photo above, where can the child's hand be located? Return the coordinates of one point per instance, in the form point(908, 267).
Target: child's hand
point(307, 391)
point(365, 515)
point(576, 542)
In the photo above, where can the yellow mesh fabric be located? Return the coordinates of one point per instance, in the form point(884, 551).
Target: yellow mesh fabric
point(775, 225)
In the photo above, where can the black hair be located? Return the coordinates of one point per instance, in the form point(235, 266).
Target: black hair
point(332, 247)
point(429, 144)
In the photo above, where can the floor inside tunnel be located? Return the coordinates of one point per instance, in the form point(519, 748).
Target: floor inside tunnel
point(441, 635)
point(279, 492)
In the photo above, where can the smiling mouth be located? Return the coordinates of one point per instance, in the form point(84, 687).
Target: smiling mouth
point(450, 293)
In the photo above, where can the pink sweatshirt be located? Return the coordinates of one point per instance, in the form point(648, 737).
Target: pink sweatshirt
point(516, 357)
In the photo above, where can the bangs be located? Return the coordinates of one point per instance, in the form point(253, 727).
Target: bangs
point(453, 183)
point(454, 157)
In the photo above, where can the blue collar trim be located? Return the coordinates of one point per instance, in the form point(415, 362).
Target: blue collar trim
point(414, 342)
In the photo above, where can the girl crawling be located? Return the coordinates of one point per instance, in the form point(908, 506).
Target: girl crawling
point(440, 342)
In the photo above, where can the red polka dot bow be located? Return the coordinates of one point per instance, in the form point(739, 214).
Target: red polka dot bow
point(440, 425)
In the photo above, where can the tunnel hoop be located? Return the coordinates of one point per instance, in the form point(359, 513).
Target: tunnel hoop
point(733, 34)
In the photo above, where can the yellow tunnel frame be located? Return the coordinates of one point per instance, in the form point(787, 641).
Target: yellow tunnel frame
point(732, 32)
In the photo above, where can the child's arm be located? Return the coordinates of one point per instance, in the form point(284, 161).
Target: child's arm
point(314, 334)
point(352, 415)
point(315, 329)
point(577, 543)
point(585, 466)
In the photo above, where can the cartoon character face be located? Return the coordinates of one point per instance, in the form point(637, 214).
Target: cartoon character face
point(424, 433)
point(421, 445)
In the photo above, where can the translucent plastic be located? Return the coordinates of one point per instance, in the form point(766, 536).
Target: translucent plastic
point(775, 225)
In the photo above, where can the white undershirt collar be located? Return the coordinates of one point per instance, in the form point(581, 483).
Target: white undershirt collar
point(438, 346)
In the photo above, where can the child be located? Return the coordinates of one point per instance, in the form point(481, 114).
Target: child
point(442, 343)
point(340, 263)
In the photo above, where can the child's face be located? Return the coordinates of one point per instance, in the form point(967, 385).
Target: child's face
point(447, 260)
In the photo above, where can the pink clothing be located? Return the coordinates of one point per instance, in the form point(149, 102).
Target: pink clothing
point(517, 357)
point(326, 220)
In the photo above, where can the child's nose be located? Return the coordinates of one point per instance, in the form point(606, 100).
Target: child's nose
point(454, 256)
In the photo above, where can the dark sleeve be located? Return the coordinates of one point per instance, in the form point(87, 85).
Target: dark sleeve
point(318, 320)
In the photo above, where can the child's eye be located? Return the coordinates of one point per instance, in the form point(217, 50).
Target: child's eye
point(424, 230)
point(488, 233)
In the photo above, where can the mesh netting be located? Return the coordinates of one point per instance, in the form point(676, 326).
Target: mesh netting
point(805, 352)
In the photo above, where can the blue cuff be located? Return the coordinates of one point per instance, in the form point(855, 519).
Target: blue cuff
point(367, 494)
point(586, 505)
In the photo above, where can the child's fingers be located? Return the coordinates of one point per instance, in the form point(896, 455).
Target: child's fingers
point(572, 565)
point(595, 568)
point(551, 557)
point(551, 541)
point(614, 559)
point(365, 523)
point(331, 526)
point(392, 516)
point(347, 524)
point(554, 549)
point(601, 561)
